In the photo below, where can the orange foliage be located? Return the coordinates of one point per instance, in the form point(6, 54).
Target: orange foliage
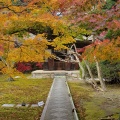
point(106, 50)
point(17, 18)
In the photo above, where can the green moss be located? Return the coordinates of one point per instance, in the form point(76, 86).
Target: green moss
point(30, 91)
point(93, 105)
point(93, 111)
point(20, 113)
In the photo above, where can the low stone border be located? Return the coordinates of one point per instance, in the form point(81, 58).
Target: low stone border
point(34, 105)
point(8, 105)
point(20, 105)
point(46, 104)
point(73, 106)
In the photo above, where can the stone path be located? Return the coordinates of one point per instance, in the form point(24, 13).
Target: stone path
point(58, 105)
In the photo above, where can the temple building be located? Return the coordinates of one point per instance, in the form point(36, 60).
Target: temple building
point(53, 64)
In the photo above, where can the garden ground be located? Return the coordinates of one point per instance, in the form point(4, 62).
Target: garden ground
point(90, 104)
point(30, 91)
point(94, 105)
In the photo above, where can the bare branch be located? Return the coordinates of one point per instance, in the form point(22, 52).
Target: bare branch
point(65, 60)
point(5, 63)
point(8, 7)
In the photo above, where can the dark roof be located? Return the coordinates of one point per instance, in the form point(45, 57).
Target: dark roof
point(80, 44)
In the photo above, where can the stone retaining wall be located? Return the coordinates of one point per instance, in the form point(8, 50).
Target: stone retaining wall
point(50, 74)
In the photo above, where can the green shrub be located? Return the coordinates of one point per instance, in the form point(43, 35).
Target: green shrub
point(110, 71)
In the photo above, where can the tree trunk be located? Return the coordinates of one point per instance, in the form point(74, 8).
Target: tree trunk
point(82, 69)
point(10, 79)
point(80, 66)
point(103, 86)
point(90, 72)
point(78, 61)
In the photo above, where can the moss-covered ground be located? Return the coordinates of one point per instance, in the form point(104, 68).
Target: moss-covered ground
point(30, 91)
point(94, 105)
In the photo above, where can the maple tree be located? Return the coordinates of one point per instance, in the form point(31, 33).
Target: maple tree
point(109, 48)
point(55, 23)
point(18, 19)
point(25, 67)
point(103, 22)
point(102, 51)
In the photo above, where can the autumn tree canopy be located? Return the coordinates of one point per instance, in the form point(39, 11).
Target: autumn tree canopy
point(40, 17)
point(55, 23)
point(43, 18)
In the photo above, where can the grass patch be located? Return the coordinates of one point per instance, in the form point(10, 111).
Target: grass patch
point(92, 105)
point(30, 91)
